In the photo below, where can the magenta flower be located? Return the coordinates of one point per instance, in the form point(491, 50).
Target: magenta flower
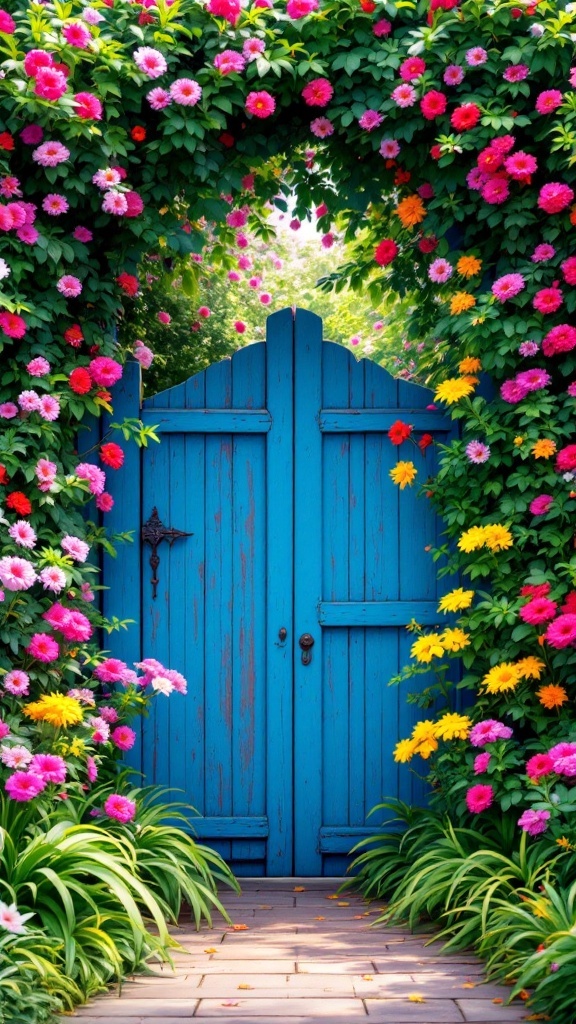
point(50, 767)
point(120, 808)
point(507, 286)
point(477, 452)
point(534, 379)
point(561, 338)
point(479, 798)
point(542, 253)
point(547, 300)
point(162, 317)
point(50, 84)
point(115, 202)
point(538, 610)
point(151, 62)
point(542, 504)
point(538, 766)
point(318, 92)
point(370, 119)
point(45, 473)
point(321, 127)
point(16, 573)
point(110, 670)
point(389, 149)
point(76, 34)
point(143, 354)
point(516, 73)
point(32, 134)
point(260, 104)
point(489, 731)
point(94, 475)
point(562, 631)
point(105, 371)
point(252, 47)
point(38, 367)
point(440, 271)
point(555, 197)
point(24, 786)
point(186, 92)
point(513, 392)
point(69, 286)
point(528, 348)
point(229, 62)
point(91, 769)
point(481, 762)
point(534, 822)
point(16, 682)
point(520, 165)
point(23, 534)
point(123, 737)
point(549, 101)
point(476, 57)
point(159, 98)
point(454, 74)
point(495, 191)
point(297, 9)
point(50, 154)
point(43, 647)
point(55, 204)
point(88, 107)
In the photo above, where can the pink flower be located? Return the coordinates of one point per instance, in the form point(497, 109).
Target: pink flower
point(82, 234)
point(555, 197)
point(49, 767)
point(321, 127)
point(123, 737)
point(134, 204)
point(539, 765)
point(300, 8)
point(389, 149)
point(239, 326)
point(544, 252)
point(318, 92)
point(252, 47)
point(109, 714)
point(177, 679)
point(120, 808)
point(15, 757)
point(237, 218)
point(55, 204)
point(404, 95)
point(534, 822)
point(566, 457)
point(562, 631)
point(9, 186)
point(53, 578)
point(476, 179)
point(50, 84)
point(479, 798)
point(516, 73)
point(35, 60)
point(151, 62)
point(229, 62)
point(85, 593)
point(13, 326)
point(7, 23)
point(29, 401)
point(507, 286)
point(568, 268)
point(327, 243)
point(433, 104)
point(73, 546)
point(265, 298)
point(49, 408)
point(260, 104)
point(534, 379)
point(528, 348)
point(186, 92)
point(548, 101)
point(520, 165)
point(370, 119)
point(91, 769)
point(24, 786)
point(481, 762)
point(566, 765)
point(38, 367)
point(28, 234)
point(45, 472)
point(477, 452)
point(94, 475)
point(412, 68)
point(16, 573)
point(76, 34)
point(69, 286)
point(488, 731)
point(110, 670)
point(561, 338)
point(162, 317)
point(476, 56)
point(88, 106)
point(106, 177)
point(547, 300)
point(143, 355)
point(101, 729)
point(50, 154)
point(43, 647)
point(23, 534)
point(382, 28)
point(228, 9)
point(16, 681)
point(440, 271)
point(539, 610)
point(542, 504)
point(495, 191)
point(562, 749)
point(114, 202)
point(454, 74)
point(159, 98)
point(105, 371)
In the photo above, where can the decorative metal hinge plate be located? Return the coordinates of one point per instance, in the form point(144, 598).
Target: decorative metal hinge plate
point(153, 533)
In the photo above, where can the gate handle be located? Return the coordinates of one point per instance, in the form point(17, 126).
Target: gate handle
point(306, 642)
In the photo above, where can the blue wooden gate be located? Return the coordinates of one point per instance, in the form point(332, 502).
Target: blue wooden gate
point(277, 463)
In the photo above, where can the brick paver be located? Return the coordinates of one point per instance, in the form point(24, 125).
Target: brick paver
point(295, 957)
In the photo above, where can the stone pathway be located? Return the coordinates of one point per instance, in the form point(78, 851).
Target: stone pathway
point(296, 954)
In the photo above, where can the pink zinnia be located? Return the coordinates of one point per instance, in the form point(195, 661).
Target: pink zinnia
point(53, 578)
point(50, 84)
point(562, 631)
point(15, 757)
point(440, 271)
point(94, 475)
point(476, 56)
point(150, 61)
point(16, 682)
point(228, 9)
point(481, 762)
point(542, 504)
point(370, 119)
point(186, 92)
point(143, 355)
point(55, 204)
point(43, 647)
point(382, 28)
point(544, 252)
point(495, 191)
point(110, 670)
point(16, 573)
point(49, 767)
point(114, 202)
point(252, 48)
point(433, 104)
point(321, 127)
point(50, 154)
point(479, 798)
point(528, 348)
point(69, 286)
point(88, 107)
point(82, 234)
point(555, 197)
point(120, 808)
point(24, 786)
point(520, 165)
point(159, 98)
point(566, 457)
point(454, 74)
point(561, 338)
point(477, 452)
point(29, 401)
point(539, 610)
point(76, 34)
point(412, 68)
point(549, 101)
point(106, 177)
point(489, 731)
point(49, 408)
point(568, 268)
point(38, 367)
point(404, 95)
point(512, 391)
point(45, 472)
point(123, 737)
point(516, 73)
point(229, 62)
point(76, 548)
point(389, 149)
point(91, 769)
point(318, 92)
point(163, 317)
point(534, 379)
point(23, 534)
point(8, 410)
point(538, 766)
point(260, 104)
point(34, 60)
point(534, 822)
point(507, 286)
point(105, 371)
point(300, 8)
point(547, 300)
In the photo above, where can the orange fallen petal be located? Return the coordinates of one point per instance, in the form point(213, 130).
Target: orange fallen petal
point(335, 897)
point(320, 918)
point(299, 888)
point(243, 985)
point(211, 950)
point(358, 917)
point(416, 999)
point(239, 927)
point(367, 977)
point(468, 984)
point(343, 903)
point(498, 1000)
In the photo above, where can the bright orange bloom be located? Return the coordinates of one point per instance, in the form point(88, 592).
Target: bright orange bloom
point(460, 302)
point(552, 696)
point(544, 448)
point(411, 211)
point(468, 266)
point(469, 365)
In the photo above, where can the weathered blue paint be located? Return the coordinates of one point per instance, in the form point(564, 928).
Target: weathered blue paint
point(277, 462)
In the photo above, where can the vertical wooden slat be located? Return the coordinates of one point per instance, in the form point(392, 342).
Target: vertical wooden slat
point(280, 590)
point(357, 704)
point(308, 587)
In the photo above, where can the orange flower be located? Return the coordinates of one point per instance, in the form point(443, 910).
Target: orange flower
point(469, 365)
point(544, 448)
point(468, 266)
point(552, 696)
point(460, 302)
point(411, 211)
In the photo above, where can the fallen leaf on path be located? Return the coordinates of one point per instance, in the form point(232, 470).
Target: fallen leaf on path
point(230, 1004)
point(243, 985)
point(358, 917)
point(320, 918)
point(211, 950)
point(416, 999)
point(498, 1000)
point(468, 984)
point(264, 906)
point(367, 977)
point(343, 903)
point(299, 888)
point(238, 928)
point(334, 897)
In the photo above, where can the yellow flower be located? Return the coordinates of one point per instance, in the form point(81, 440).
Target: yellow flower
point(498, 537)
point(56, 709)
point(460, 302)
point(501, 678)
point(76, 748)
point(544, 448)
point(455, 639)
point(403, 473)
point(472, 539)
point(565, 843)
point(456, 600)
point(411, 211)
point(453, 726)
point(518, 440)
point(552, 696)
point(427, 647)
point(469, 365)
point(424, 738)
point(530, 667)
point(452, 390)
point(468, 266)
point(404, 751)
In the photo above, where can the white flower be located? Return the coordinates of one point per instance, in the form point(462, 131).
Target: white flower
point(162, 685)
point(4, 269)
point(11, 920)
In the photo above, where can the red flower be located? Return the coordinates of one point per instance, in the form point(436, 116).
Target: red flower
point(104, 395)
point(465, 117)
point(534, 591)
point(402, 177)
point(399, 431)
point(6, 140)
point(385, 252)
point(433, 104)
point(145, 18)
point(128, 283)
point(435, 152)
point(425, 441)
point(19, 503)
point(138, 133)
point(368, 5)
point(569, 606)
point(226, 139)
point(428, 243)
point(73, 335)
point(80, 381)
point(112, 455)
point(4, 478)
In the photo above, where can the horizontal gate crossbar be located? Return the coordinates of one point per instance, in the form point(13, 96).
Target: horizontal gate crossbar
point(377, 613)
point(361, 421)
point(230, 828)
point(341, 838)
point(208, 421)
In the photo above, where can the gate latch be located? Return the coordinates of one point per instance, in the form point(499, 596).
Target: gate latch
point(306, 642)
point(153, 533)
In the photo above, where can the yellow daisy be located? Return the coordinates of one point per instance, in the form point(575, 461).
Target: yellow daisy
point(452, 390)
point(456, 600)
point(472, 539)
point(404, 751)
point(501, 678)
point(453, 726)
point(403, 473)
point(455, 639)
point(497, 537)
point(427, 647)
